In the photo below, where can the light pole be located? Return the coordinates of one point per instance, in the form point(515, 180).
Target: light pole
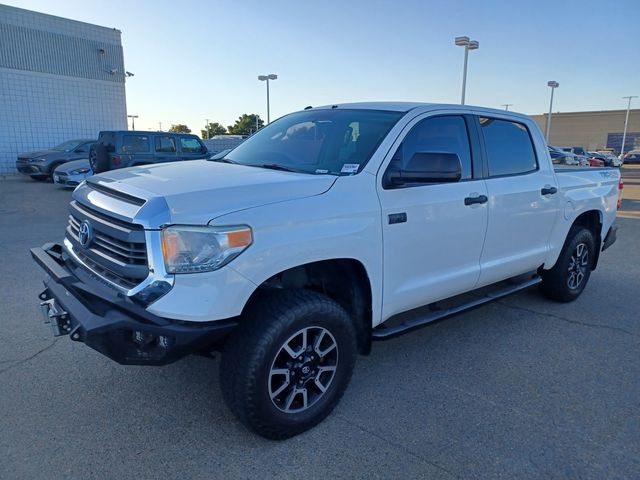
point(507, 105)
point(160, 125)
point(468, 45)
point(206, 128)
point(626, 122)
point(263, 78)
point(133, 121)
point(553, 84)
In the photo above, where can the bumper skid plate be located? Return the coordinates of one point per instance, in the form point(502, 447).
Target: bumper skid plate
point(77, 304)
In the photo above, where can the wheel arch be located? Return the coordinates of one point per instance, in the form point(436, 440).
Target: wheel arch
point(345, 280)
point(592, 221)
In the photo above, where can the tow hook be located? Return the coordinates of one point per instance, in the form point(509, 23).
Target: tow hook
point(55, 316)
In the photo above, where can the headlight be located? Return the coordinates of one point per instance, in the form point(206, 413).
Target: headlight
point(189, 249)
point(80, 170)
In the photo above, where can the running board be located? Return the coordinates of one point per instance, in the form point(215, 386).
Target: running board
point(385, 333)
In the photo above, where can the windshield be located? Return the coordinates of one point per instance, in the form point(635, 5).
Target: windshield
point(67, 146)
point(336, 142)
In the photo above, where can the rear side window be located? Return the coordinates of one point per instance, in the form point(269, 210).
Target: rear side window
point(190, 145)
point(135, 143)
point(509, 147)
point(165, 144)
point(108, 139)
point(446, 134)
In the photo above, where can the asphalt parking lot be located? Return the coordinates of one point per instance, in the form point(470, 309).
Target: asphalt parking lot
point(522, 388)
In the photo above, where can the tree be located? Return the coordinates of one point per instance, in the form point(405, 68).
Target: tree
point(179, 128)
point(246, 124)
point(214, 128)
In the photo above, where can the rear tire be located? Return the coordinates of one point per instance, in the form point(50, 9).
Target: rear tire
point(287, 365)
point(99, 158)
point(569, 276)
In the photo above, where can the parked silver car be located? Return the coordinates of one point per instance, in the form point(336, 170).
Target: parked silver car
point(70, 174)
point(40, 165)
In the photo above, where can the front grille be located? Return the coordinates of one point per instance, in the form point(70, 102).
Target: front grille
point(117, 250)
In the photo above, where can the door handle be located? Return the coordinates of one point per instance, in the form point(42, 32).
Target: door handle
point(548, 190)
point(473, 200)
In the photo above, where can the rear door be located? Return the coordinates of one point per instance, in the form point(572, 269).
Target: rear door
point(136, 149)
point(432, 237)
point(523, 199)
point(165, 148)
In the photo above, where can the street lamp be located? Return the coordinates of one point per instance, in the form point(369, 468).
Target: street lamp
point(266, 78)
point(553, 84)
point(468, 45)
point(626, 122)
point(133, 121)
point(507, 105)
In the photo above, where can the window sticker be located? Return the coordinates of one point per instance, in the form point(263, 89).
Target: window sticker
point(350, 168)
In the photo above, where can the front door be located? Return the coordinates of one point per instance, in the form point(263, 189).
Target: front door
point(432, 237)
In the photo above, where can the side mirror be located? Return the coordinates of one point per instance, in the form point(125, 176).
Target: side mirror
point(428, 167)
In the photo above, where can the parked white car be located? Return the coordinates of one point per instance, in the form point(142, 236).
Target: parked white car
point(71, 174)
point(325, 230)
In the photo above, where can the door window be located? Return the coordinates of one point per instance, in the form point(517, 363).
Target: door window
point(444, 134)
point(165, 145)
point(191, 145)
point(508, 146)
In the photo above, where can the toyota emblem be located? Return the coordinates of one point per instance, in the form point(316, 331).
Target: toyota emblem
point(85, 234)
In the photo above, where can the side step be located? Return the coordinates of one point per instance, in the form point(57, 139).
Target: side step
point(385, 333)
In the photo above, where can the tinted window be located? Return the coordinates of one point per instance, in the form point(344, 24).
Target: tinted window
point(335, 141)
point(165, 144)
point(509, 148)
point(446, 134)
point(135, 143)
point(191, 145)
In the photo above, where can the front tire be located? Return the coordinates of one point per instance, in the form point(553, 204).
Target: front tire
point(288, 364)
point(569, 276)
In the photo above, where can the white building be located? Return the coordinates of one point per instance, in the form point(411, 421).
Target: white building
point(59, 80)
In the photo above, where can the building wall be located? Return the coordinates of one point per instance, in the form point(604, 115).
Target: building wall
point(59, 79)
point(592, 130)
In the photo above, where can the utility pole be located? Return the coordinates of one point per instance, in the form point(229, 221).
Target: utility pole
point(507, 105)
point(160, 125)
point(206, 129)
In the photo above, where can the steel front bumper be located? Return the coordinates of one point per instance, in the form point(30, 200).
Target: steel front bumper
point(77, 304)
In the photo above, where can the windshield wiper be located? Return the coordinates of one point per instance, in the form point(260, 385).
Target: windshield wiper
point(275, 166)
point(222, 160)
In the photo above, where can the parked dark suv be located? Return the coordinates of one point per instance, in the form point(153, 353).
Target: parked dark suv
point(40, 165)
point(120, 149)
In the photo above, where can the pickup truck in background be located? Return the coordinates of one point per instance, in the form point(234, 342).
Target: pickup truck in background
point(327, 229)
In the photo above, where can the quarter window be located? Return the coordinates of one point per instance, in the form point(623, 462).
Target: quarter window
point(135, 143)
point(445, 134)
point(165, 145)
point(508, 146)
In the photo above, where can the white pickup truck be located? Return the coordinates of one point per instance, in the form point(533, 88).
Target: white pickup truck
point(327, 229)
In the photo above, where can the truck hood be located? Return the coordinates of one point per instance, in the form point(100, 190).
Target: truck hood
point(193, 192)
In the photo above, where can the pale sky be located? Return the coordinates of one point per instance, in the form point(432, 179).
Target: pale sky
point(199, 59)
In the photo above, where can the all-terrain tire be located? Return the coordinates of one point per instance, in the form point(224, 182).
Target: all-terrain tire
point(569, 276)
point(99, 158)
point(269, 332)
